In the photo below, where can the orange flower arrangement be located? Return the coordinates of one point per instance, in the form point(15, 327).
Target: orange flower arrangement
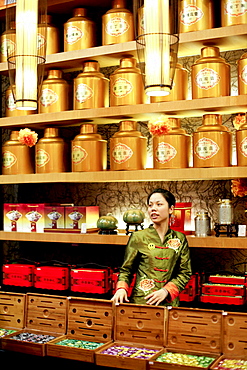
point(239, 120)
point(27, 137)
point(159, 126)
point(239, 187)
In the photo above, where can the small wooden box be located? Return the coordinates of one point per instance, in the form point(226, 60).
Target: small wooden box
point(88, 320)
point(234, 337)
point(137, 326)
point(45, 314)
point(191, 331)
point(12, 311)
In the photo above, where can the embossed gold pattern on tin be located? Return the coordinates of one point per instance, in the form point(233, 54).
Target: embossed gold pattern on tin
point(126, 84)
point(117, 24)
point(17, 158)
point(91, 88)
point(179, 87)
point(173, 149)
point(241, 144)
point(210, 75)
point(51, 153)
point(212, 143)
point(48, 35)
point(196, 15)
point(128, 148)
point(242, 74)
point(54, 93)
point(89, 150)
point(79, 31)
point(8, 43)
point(233, 12)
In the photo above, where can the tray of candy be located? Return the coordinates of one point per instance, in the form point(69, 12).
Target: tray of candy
point(28, 341)
point(182, 360)
point(126, 355)
point(230, 363)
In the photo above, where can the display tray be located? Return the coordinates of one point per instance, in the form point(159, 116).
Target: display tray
point(45, 315)
point(222, 299)
point(233, 363)
point(183, 360)
point(121, 361)
point(138, 327)
point(12, 313)
point(89, 320)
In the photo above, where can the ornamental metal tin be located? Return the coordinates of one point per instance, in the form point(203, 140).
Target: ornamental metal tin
point(79, 154)
point(10, 102)
point(116, 26)
point(48, 97)
point(190, 14)
point(42, 158)
point(73, 34)
point(243, 147)
point(206, 148)
point(83, 93)
point(121, 87)
point(207, 78)
point(164, 152)
point(121, 153)
point(243, 75)
point(8, 159)
point(236, 8)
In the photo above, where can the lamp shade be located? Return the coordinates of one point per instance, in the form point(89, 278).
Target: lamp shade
point(26, 64)
point(157, 39)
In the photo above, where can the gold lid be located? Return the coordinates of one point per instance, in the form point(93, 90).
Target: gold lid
point(79, 12)
point(55, 73)
point(91, 65)
point(212, 119)
point(118, 4)
point(51, 132)
point(128, 62)
point(88, 128)
point(46, 18)
point(128, 125)
point(14, 135)
point(210, 51)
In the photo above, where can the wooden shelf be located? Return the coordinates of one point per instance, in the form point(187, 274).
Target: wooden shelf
point(120, 239)
point(226, 38)
point(181, 174)
point(139, 112)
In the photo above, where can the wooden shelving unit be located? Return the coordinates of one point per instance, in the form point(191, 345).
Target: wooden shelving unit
point(181, 174)
point(120, 239)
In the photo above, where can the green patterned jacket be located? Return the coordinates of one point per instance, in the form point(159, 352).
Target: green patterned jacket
point(157, 265)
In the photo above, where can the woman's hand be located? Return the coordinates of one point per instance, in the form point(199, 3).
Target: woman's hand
point(120, 296)
point(155, 298)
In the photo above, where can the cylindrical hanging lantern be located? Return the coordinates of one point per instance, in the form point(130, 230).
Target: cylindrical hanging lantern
point(156, 27)
point(26, 63)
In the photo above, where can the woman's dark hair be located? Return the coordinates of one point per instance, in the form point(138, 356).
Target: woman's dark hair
point(169, 197)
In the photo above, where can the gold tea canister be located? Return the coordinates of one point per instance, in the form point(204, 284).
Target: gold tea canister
point(117, 24)
point(91, 88)
point(212, 143)
point(79, 31)
point(179, 89)
point(51, 153)
point(8, 43)
point(210, 75)
point(48, 36)
point(126, 84)
point(17, 158)
point(242, 75)
point(233, 12)
point(128, 148)
point(196, 15)
point(11, 110)
point(241, 145)
point(54, 95)
point(89, 150)
point(172, 150)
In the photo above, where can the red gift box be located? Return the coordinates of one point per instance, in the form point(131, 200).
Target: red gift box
point(18, 275)
point(90, 280)
point(191, 289)
point(51, 277)
point(180, 219)
point(114, 280)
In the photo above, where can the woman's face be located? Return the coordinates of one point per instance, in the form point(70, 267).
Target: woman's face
point(158, 208)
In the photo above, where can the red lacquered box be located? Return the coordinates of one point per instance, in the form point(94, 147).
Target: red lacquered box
point(51, 277)
point(114, 280)
point(224, 279)
point(18, 275)
point(223, 289)
point(191, 289)
point(90, 280)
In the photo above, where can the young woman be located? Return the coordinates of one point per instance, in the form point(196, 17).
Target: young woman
point(159, 256)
